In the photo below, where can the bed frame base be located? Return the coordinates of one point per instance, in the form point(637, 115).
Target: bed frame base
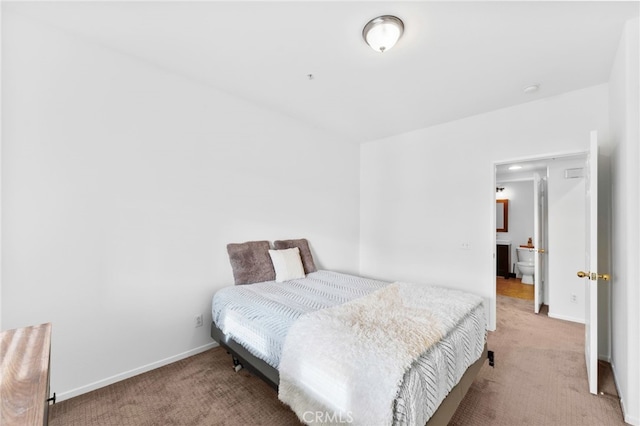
point(243, 358)
point(237, 365)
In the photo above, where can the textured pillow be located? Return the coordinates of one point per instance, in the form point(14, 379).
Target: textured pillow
point(287, 264)
point(305, 253)
point(251, 262)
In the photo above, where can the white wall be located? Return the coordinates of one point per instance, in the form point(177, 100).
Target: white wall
point(566, 246)
point(520, 196)
point(122, 185)
point(625, 194)
point(425, 192)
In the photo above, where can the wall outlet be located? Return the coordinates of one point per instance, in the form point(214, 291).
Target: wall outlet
point(465, 246)
point(199, 320)
point(574, 298)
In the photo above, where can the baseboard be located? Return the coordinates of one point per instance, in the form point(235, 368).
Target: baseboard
point(604, 358)
point(635, 421)
point(509, 275)
point(566, 318)
point(128, 374)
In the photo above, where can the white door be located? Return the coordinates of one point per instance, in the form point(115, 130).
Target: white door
point(538, 241)
point(591, 265)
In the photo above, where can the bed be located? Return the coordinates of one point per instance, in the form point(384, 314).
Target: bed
point(283, 331)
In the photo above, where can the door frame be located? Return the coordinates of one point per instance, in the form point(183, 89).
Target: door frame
point(537, 157)
point(540, 214)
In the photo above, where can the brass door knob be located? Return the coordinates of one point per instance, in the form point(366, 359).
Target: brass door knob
point(594, 276)
point(542, 251)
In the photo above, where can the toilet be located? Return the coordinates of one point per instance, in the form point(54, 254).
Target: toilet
point(526, 264)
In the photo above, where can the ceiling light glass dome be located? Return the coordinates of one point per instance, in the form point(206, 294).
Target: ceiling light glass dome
point(383, 32)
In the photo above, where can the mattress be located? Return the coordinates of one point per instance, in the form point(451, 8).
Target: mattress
point(258, 317)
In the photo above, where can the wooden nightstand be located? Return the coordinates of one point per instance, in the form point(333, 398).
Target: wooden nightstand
point(24, 388)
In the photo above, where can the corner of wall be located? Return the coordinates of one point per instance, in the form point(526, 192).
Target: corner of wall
point(624, 95)
point(1, 171)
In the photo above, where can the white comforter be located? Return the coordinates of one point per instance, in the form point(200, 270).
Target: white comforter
point(348, 363)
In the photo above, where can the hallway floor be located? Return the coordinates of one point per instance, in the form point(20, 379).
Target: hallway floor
point(513, 287)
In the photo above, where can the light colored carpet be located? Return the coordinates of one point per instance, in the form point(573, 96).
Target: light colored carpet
point(197, 391)
point(539, 379)
point(540, 376)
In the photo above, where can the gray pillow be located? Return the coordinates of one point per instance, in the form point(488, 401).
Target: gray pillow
point(251, 262)
point(305, 252)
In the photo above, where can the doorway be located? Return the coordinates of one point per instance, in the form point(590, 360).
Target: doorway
point(523, 190)
point(526, 184)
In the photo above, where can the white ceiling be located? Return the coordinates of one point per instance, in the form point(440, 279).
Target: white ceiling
point(455, 59)
point(529, 167)
point(503, 174)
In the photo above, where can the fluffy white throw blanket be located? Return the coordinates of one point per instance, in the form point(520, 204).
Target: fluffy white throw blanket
point(345, 364)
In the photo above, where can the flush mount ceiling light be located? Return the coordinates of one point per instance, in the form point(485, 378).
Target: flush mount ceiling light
point(383, 32)
point(515, 167)
point(531, 89)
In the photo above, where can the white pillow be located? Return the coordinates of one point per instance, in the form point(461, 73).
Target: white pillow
point(287, 264)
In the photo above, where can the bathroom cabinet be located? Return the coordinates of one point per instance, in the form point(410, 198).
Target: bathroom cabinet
point(503, 260)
